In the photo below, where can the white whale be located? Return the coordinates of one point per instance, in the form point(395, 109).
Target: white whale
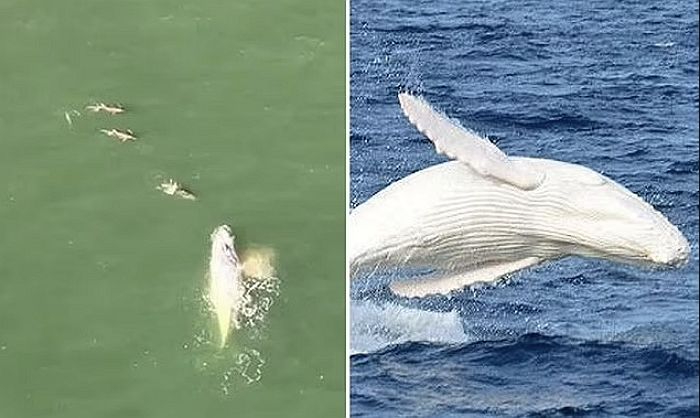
point(485, 215)
point(226, 289)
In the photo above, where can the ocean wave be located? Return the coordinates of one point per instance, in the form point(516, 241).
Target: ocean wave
point(540, 348)
point(439, 27)
point(683, 167)
point(553, 120)
point(569, 411)
point(530, 375)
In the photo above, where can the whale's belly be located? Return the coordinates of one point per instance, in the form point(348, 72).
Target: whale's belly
point(443, 216)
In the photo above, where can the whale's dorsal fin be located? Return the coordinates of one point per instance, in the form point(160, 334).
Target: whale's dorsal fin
point(455, 141)
point(445, 284)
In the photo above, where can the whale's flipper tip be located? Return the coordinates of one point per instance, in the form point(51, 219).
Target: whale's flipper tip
point(453, 140)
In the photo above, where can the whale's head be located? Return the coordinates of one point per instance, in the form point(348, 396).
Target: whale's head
point(608, 221)
point(222, 239)
point(222, 234)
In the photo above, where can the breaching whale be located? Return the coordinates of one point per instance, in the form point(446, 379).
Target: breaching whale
point(485, 215)
point(226, 288)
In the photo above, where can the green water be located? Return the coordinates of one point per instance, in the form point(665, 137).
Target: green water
point(100, 274)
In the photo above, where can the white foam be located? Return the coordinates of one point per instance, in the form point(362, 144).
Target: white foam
point(375, 326)
point(664, 44)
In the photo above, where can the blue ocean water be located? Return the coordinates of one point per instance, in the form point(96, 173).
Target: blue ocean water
point(610, 85)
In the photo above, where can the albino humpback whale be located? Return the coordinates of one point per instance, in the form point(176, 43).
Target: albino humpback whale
point(241, 289)
point(485, 215)
point(226, 290)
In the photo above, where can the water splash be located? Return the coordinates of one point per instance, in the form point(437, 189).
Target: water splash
point(247, 367)
point(259, 262)
point(238, 362)
point(377, 325)
point(260, 294)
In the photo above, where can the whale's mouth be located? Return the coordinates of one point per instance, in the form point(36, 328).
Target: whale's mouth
point(654, 252)
point(667, 252)
point(649, 261)
point(671, 259)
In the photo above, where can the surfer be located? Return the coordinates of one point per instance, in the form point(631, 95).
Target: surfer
point(120, 135)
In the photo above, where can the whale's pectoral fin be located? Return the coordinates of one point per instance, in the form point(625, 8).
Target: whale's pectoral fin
point(457, 142)
point(448, 283)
